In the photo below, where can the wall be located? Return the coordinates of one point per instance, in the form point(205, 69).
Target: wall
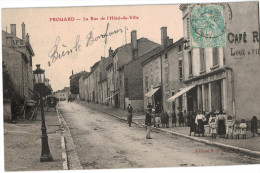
point(153, 67)
point(243, 58)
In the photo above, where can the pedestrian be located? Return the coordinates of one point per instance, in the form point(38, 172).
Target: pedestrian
point(185, 117)
point(236, 131)
point(221, 123)
point(192, 124)
point(148, 123)
point(213, 126)
point(174, 119)
point(130, 114)
point(254, 128)
point(243, 128)
point(181, 118)
point(163, 119)
point(200, 118)
point(167, 119)
point(229, 127)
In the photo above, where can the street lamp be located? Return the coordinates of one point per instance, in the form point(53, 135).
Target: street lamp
point(42, 90)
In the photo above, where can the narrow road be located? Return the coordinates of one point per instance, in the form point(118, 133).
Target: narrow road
point(103, 141)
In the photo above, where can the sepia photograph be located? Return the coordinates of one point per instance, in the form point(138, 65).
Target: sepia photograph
point(131, 86)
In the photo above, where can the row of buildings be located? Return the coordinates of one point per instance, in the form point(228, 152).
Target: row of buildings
point(172, 75)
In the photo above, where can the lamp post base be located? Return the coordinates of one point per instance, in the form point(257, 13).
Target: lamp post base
point(46, 158)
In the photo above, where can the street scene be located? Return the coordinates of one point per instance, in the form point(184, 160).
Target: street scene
point(102, 89)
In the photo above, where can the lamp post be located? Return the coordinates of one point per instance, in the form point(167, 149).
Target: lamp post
point(42, 90)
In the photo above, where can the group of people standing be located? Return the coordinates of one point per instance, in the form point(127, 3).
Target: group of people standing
point(219, 122)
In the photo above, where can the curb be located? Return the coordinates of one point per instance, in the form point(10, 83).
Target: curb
point(207, 142)
point(64, 154)
point(69, 154)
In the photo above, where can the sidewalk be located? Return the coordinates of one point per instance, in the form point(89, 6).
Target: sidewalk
point(251, 143)
point(22, 144)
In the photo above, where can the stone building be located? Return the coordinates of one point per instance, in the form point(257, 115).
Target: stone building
point(17, 56)
point(225, 77)
point(124, 55)
point(162, 75)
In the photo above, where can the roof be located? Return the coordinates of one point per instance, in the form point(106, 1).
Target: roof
point(163, 51)
point(27, 44)
point(144, 45)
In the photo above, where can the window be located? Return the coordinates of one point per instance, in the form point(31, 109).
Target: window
point(166, 56)
point(166, 72)
point(146, 79)
point(215, 56)
point(151, 76)
point(190, 63)
point(188, 28)
point(126, 87)
point(202, 60)
point(180, 70)
point(180, 48)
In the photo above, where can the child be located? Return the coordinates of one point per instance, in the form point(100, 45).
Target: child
point(157, 121)
point(213, 126)
point(254, 128)
point(236, 129)
point(229, 127)
point(243, 128)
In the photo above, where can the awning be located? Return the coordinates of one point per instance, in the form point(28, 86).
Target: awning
point(150, 93)
point(184, 90)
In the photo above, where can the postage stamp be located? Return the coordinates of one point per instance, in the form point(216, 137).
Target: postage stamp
point(207, 26)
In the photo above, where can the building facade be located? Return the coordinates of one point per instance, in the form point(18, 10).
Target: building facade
point(122, 56)
point(17, 56)
point(162, 74)
point(222, 77)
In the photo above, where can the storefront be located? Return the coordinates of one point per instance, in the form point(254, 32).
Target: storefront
point(208, 92)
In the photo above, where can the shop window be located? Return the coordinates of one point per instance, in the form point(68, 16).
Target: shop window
point(202, 60)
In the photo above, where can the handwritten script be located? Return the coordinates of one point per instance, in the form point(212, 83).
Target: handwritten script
point(55, 53)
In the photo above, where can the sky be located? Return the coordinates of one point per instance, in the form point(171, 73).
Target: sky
point(45, 33)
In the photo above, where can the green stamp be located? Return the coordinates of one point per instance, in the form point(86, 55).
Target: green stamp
point(207, 26)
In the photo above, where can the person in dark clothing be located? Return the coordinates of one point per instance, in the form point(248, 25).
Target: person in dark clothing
point(192, 124)
point(130, 114)
point(148, 123)
point(221, 116)
point(254, 128)
point(167, 119)
point(199, 120)
point(181, 118)
point(174, 119)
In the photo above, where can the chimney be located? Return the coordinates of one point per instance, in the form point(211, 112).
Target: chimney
point(134, 43)
point(27, 38)
point(9, 42)
point(170, 42)
point(13, 30)
point(102, 58)
point(23, 31)
point(164, 37)
point(110, 52)
point(72, 73)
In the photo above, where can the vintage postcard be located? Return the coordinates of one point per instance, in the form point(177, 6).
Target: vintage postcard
point(137, 86)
